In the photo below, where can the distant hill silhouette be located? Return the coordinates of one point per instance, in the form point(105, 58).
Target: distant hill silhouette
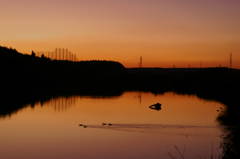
point(19, 71)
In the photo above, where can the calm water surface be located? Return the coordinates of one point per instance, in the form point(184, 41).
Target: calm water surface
point(186, 125)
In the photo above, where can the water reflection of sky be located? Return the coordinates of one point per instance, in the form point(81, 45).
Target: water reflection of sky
point(51, 130)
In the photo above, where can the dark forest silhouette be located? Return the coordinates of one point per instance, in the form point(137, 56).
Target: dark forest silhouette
point(27, 79)
point(19, 71)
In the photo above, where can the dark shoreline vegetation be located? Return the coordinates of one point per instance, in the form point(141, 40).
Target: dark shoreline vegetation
point(27, 79)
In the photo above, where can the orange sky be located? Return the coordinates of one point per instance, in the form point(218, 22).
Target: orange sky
point(183, 33)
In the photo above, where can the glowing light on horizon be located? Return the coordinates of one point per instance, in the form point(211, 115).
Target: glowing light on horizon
point(166, 33)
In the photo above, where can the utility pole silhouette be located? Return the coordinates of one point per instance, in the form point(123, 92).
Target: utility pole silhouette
point(140, 62)
point(230, 60)
point(55, 54)
point(59, 54)
point(140, 97)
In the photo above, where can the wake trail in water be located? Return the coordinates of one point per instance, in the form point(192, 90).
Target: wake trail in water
point(152, 128)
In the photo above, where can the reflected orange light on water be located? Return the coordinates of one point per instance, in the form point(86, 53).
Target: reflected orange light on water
point(137, 131)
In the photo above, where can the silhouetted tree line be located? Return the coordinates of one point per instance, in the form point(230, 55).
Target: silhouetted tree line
point(28, 72)
point(21, 71)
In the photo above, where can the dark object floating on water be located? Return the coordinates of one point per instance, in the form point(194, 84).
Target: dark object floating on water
point(82, 125)
point(156, 106)
point(106, 124)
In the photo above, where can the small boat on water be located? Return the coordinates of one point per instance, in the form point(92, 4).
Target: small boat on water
point(156, 106)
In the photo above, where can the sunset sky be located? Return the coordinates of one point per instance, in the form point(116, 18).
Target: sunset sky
point(164, 32)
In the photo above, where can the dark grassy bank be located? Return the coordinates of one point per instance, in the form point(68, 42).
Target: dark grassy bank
point(221, 84)
point(27, 79)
